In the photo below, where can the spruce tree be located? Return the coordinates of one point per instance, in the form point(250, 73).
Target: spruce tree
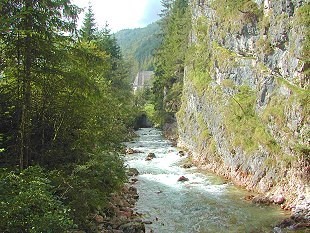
point(170, 57)
point(89, 28)
point(29, 32)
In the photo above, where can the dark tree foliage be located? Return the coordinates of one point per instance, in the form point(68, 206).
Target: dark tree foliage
point(29, 33)
point(89, 28)
point(170, 58)
point(65, 106)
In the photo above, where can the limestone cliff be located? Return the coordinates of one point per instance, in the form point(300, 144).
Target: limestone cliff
point(245, 105)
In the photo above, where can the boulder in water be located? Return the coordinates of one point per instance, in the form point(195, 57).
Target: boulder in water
point(150, 156)
point(182, 179)
point(132, 172)
point(130, 151)
point(279, 199)
point(187, 165)
point(181, 153)
point(134, 180)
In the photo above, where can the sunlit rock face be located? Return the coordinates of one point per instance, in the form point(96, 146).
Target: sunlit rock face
point(245, 111)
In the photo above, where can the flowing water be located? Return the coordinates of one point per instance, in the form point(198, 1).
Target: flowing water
point(204, 203)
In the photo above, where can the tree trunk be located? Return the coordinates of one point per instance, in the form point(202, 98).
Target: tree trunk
point(25, 130)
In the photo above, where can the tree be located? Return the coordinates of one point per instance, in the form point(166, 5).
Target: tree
point(64, 107)
point(29, 33)
point(89, 28)
point(170, 58)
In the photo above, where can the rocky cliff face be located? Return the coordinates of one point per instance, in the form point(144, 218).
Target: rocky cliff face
point(245, 107)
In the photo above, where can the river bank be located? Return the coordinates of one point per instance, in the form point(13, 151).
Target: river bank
point(202, 203)
point(120, 216)
point(155, 199)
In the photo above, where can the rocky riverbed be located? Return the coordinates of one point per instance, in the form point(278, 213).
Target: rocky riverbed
point(198, 203)
point(175, 196)
point(121, 216)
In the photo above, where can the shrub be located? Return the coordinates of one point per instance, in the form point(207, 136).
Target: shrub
point(87, 189)
point(28, 204)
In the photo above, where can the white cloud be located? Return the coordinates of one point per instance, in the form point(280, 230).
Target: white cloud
point(122, 14)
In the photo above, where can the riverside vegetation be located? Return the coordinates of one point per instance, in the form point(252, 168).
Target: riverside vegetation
point(65, 108)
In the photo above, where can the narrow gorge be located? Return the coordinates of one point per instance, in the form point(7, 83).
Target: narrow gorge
point(244, 110)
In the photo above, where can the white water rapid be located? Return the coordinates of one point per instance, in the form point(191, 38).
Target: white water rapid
point(204, 203)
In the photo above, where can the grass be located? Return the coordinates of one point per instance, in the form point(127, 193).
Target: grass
point(302, 18)
point(246, 128)
point(234, 14)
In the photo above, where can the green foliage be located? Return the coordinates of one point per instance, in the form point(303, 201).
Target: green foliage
point(247, 130)
point(88, 29)
point(173, 97)
point(170, 58)
point(87, 189)
point(32, 48)
point(225, 59)
point(264, 45)
point(65, 104)
point(278, 110)
point(234, 14)
point(201, 80)
point(139, 45)
point(28, 203)
point(151, 113)
point(302, 19)
point(304, 150)
point(78, 100)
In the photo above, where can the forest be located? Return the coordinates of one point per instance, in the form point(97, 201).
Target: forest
point(139, 46)
point(65, 107)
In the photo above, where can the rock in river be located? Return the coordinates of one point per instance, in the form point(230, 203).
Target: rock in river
point(132, 172)
point(182, 179)
point(150, 156)
point(133, 227)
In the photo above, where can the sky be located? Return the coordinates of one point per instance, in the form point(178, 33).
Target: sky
point(122, 14)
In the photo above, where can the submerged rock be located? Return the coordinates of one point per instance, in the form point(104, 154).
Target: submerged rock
point(249, 197)
point(187, 165)
point(181, 153)
point(261, 200)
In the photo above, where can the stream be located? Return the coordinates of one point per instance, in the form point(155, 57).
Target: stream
point(204, 203)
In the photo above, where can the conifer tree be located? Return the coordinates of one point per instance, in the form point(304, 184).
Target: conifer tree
point(89, 28)
point(29, 31)
point(175, 26)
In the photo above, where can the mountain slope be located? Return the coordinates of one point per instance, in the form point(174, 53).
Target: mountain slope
point(139, 45)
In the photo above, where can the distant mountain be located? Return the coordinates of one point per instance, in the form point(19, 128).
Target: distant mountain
point(138, 45)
